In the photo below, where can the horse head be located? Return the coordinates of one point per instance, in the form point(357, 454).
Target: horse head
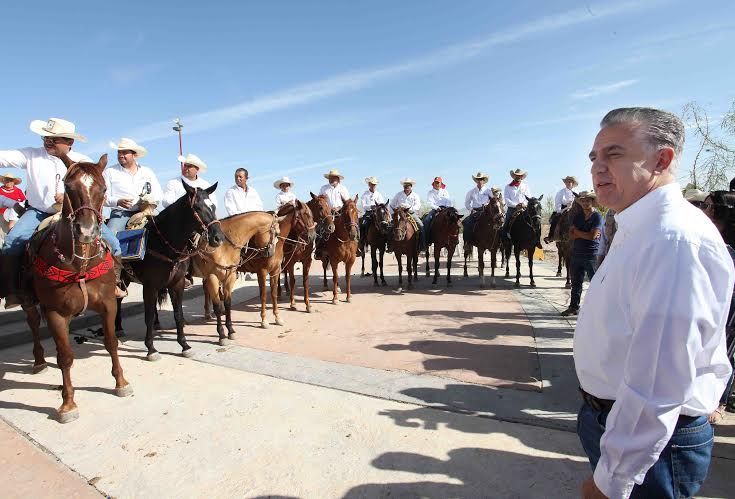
point(85, 192)
point(401, 222)
point(493, 212)
point(322, 213)
point(454, 222)
point(303, 227)
point(350, 217)
point(204, 212)
point(534, 209)
point(381, 218)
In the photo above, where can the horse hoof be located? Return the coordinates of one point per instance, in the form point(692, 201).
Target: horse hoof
point(292, 307)
point(68, 416)
point(124, 391)
point(157, 326)
point(153, 357)
point(264, 325)
point(280, 322)
point(383, 283)
point(533, 284)
point(517, 285)
point(208, 316)
point(308, 310)
point(223, 342)
point(231, 336)
point(567, 286)
point(558, 274)
point(38, 369)
point(349, 300)
point(335, 302)
point(188, 353)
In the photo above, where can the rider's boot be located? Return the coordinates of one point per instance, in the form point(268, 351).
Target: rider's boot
point(10, 266)
point(120, 290)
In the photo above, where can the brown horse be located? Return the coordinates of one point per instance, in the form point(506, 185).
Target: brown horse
point(298, 247)
point(444, 234)
point(72, 272)
point(486, 236)
point(563, 243)
point(342, 247)
point(406, 242)
point(377, 237)
point(525, 232)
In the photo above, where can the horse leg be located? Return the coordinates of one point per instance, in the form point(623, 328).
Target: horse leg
point(493, 263)
point(450, 255)
point(59, 327)
point(400, 269)
point(362, 270)
point(335, 282)
point(426, 259)
point(382, 255)
point(531, 251)
point(227, 299)
point(274, 278)
point(325, 262)
point(348, 279)
point(561, 257)
point(374, 261)
point(465, 250)
point(481, 265)
point(437, 255)
point(567, 264)
point(409, 268)
point(211, 292)
point(506, 257)
point(33, 319)
point(517, 252)
point(291, 284)
point(150, 296)
point(119, 331)
point(176, 294)
point(305, 266)
point(122, 387)
point(263, 305)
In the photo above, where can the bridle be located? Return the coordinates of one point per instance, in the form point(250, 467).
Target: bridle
point(348, 223)
point(382, 225)
point(401, 230)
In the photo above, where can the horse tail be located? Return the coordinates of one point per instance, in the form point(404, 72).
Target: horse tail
point(162, 296)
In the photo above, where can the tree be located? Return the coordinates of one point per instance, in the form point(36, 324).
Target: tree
point(714, 162)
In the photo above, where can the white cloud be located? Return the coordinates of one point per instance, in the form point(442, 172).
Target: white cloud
point(598, 90)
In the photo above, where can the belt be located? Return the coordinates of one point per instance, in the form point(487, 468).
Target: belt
point(604, 405)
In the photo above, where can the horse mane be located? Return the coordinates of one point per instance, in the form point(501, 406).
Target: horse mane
point(86, 168)
point(238, 214)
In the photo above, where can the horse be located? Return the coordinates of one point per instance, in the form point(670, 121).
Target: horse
point(377, 237)
point(342, 247)
point(487, 235)
point(406, 242)
point(444, 234)
point(563, 243)
point(72, 271)
point(525, 231)
point(298, 247)
point(173, 237)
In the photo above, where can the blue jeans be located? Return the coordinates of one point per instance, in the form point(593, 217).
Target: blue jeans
point(682, 466)
point(118, 220)
point(581, 265)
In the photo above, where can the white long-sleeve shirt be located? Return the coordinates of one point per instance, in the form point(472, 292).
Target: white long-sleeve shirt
point(238, 200)
point(564, 197)
point(42, 169)
point(335, 194)
point(438, 199)
point(367, 201)
point(515, 195)
point(174, 190)
point(477, 198)
point(651, 331)
point(285, 198)
point(412, 202)
point(121, 184)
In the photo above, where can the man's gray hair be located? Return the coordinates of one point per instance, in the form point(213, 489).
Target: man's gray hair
point(660, 128)
point(242, 170)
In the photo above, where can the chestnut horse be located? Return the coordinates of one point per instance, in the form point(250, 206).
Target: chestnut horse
point(72, 272)
point(342, 247)
point(563, 243)
point(298, 247)
point(377, 238)
point(444, 234)
point(525, 232)
point(486, 236)
point(406, 242)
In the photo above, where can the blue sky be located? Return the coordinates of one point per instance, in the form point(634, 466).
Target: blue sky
point(392, 89)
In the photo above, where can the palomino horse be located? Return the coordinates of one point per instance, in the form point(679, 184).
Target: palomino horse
point(525, 231)
point(406, 242)
point(377, 237)
point(486, 236)
point(73, 272)
point(563, 243)
point(444, 234)
point(298, 247)
point(218, 267)
point(342, 247)
point(172, 241)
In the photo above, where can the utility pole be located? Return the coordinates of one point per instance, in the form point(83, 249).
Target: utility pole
point(177, 128)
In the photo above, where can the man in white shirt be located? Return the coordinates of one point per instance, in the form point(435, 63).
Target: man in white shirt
point(241, 198)
point(649, 347)
point(366, 205)
point(516, 194)
point(564, 198)
point(127, 183)
point(408, 199)
point(334, 190)
point(191, 167)
point(437, 198)
point(474, 201)
point(285, 194)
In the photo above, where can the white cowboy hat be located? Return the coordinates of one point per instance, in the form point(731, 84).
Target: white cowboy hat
point(481, 175)
point(127, 144)
point(408, 180)
point(695, 195)
point(495, 189)
point(15, 179)
point(371, 180)
point(334, 173)
point(518, 173)
point(571, 179)
point(194, 160)
point(56, 127)
point(283, 180)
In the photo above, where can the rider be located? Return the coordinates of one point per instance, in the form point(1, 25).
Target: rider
point(408, 199)
point(437, 198)
point(335, 193)
point(474, 201)
point(285, 196)
point(366, 206)
point(516, 194)
point(10, 190)
point(45, 191)
point(564, 198)
point(241, 197)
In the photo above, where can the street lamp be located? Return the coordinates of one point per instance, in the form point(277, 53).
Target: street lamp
point(177, 128)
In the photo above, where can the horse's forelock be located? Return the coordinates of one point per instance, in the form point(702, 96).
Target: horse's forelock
point(85, 168)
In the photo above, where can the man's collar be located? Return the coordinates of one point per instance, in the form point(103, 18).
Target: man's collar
point(648, 207)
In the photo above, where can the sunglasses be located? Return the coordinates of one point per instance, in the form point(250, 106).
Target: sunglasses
point(56, 140)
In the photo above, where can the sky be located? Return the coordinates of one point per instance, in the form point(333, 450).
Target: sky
point(392, 89)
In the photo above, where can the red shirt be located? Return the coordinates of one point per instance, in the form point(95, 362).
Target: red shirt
point(14, 194)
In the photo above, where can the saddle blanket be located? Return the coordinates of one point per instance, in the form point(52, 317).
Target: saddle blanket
point(132, 243)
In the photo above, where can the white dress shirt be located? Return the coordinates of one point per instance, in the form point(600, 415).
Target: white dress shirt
point(367, 201)
point(516, 195)
point(121, 184)
point(477, 198)
point(238, 200)
point(42, 169)
point(438, 199)
point(335, 194)
point(174, 190)
point(412, 202)
point(651, 331)
point(285, 198)
point(564, 197)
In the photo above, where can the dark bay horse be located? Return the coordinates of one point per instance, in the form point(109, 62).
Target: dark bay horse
point(377, 238)
point(486, 236)
point(298, 248)
point(444, 234)
point(525, 231)
point(342, 247)
point(172, 240)
point(406, 242)
point(72, 271)
point(563, 243)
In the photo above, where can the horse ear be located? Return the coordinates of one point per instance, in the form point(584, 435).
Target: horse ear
point(459, 217)
point(65, 159)
point(189, 189)
point(102, 163)
point(313, 196)
point(541, 197)
point(342, 198)
point(211, 188)
point(356, 198)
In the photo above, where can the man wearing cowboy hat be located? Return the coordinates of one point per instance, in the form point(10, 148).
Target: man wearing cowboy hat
point(241, 198)
point(564, 198)
point(476, 198)
point(366, 205)
point(334, 190)
point(191, 167)
point(11, 191)
point(516, 194)
point(437, 198)
point(127, 183)
point(285, 196)
point(408, 199)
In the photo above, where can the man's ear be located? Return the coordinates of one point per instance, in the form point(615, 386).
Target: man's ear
point(665, 158)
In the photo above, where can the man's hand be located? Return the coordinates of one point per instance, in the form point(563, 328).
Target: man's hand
point(572, 233)
point(590, 490)
point(125, 203)
point(59, 197)
point(19, 209)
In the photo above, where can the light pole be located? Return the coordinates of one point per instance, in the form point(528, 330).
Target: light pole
point(177, 128)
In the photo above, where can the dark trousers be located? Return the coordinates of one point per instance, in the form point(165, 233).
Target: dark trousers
point(581, 265)
point(426, 234)
point(682, 466)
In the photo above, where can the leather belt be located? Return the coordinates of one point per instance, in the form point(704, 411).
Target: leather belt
point(597, 404)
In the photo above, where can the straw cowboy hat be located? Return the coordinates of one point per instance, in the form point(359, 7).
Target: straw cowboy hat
point(127, 144)
point(56, 127)
point(571, 179)
point(481, 176)
point(587, 194)
point(194, 160)
point(695, 195)
point(283, 180)
point(6, 176)
point(334, 173)
point(439, 179)
point(408, 180)
point(518, 173)
point(371, 180)
point(495, 189)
